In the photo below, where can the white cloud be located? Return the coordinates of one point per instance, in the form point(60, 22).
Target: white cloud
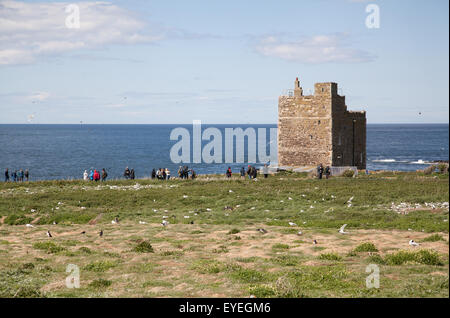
point(31, 30)
point(313, 50)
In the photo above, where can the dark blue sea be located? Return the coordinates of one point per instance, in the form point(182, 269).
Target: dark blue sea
point(65, 151)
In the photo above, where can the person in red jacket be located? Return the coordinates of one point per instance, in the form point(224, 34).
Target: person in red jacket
point(96, 175)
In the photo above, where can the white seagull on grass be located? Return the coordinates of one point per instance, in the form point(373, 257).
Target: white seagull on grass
point(412, 243)
point(341, 230)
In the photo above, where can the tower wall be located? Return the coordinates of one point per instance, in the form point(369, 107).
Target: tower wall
point(317, 128)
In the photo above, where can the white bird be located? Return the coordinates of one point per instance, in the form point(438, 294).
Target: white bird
point(29, 225)
point(289, 198)
point(412, 243)
point(314, 242)
point(230, 191)
point(208, 209)
point(185, 196)
point(164, 223)
point(142, 222)
point(292, 224)
point(49, 234)
point(299, 233)
point(341, 230)
point(186, 216)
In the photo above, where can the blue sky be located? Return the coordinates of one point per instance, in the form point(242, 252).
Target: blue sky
point(159, 62)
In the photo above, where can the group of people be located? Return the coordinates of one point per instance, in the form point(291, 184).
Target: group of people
point(183, 173)
point(251, 172)
point(94, 175)
point(129, 174)
point(161, 174)
point(19, 176)
point(321, 170)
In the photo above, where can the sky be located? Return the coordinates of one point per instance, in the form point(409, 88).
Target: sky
point(221, 62)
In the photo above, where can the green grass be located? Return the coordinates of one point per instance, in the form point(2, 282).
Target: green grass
point(49, 247)
point(433, 238)
point(366, 247)
point(426, 257)
point(144, 247)
point(100, 283)
point(222, 254)
point(100, 266)
point(330, 257)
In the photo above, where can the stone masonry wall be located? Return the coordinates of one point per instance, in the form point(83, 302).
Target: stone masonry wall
point(318, 129)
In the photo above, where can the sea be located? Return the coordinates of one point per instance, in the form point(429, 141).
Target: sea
point(65, 151)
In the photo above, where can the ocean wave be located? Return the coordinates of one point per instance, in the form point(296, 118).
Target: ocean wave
point(421, 162)
point(384, 160)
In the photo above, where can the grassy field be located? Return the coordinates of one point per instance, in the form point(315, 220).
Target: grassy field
point(222, 254)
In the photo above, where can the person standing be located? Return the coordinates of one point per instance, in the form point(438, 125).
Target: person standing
point(6, 175)
point(27, 174)
point(319, 171)
point(21, 175)
point(85, 175)
point(228, 173)
point(265, 171)
point(104, 175)
point(14, 175)
point(96, 175)
point(167, 173)
point(91, 175)
point(132, 174)
point(153, 173)
point(242, 172)
point(327, 172)
point(126, 173)
point(249, 171)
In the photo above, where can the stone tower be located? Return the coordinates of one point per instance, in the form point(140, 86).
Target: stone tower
point(314, 129)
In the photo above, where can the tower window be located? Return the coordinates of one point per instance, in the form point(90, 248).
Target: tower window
point(318, 122)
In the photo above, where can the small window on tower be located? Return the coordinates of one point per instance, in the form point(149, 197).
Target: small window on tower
point(311, 137)
point(318, 122)
point(322, 89)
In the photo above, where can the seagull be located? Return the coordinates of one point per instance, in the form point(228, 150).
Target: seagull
point(142, 222)
point(164, 223)
point(341, 230)
point(29, 225)
point(263, 231)
point(115, 221)
point(54, 223)
point(49, 234)
point(314, 242)
point(292, 224)
point(299, 233)
point(412, 243)
point(100, 233)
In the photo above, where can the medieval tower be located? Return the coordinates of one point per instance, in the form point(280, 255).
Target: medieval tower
point(314, 129)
